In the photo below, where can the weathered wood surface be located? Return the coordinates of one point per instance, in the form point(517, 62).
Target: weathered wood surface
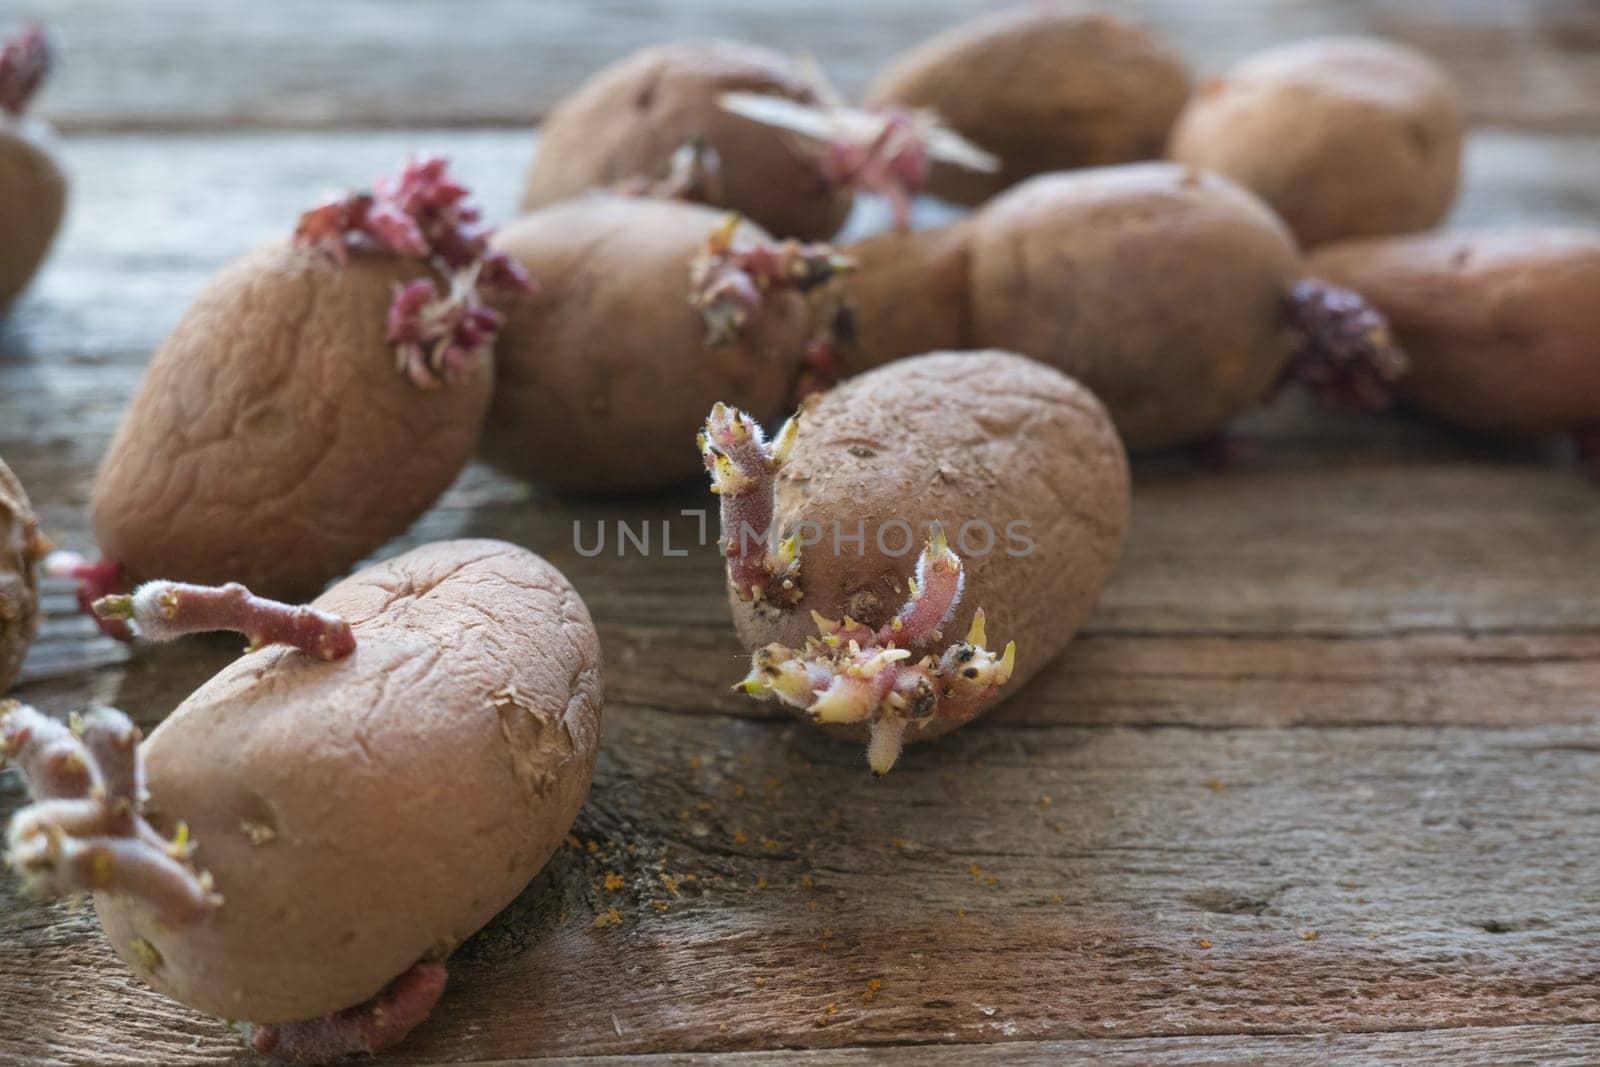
point(1349, 688)
point(1563, 1046)
point(1386, 630)
point(178, 63)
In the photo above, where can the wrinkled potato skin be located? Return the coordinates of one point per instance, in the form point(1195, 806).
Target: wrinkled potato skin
point(908, 294)
point(1502, 327)
point(628, 120)
point(1044, 91)
point(272, 441)
point(413, 789)
point(1344, 137)
point(1160, 289)
point(33, 197)
point(21, 549)
point(605, 375)
point(955, 437)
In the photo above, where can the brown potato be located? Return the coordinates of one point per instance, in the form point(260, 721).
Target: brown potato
point(273, 441)
point(1503, 327)
point(627, 121)
point(33, 197)
point(363, 814)
point(1110, 274)
point(1044, 90)
point(1344, 137)
point(607, 370)
point(21, 549)
point(1019, 464)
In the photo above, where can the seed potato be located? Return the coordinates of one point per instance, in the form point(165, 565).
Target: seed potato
point(1502, 326)
point(362, 814)
point(1044, 90)
point(272, 441)
point(1161, 289)
point(1021, 468)
point(1344, 137)
point(627, 122)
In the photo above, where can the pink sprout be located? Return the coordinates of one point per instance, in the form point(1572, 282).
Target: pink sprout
point(438, 336)
point(166, 611)
point(25, 60)
point(894, 162)
point(851, 673)
point(423, 212)
point(378, 1024)
point(85, 831)
point(733, 271)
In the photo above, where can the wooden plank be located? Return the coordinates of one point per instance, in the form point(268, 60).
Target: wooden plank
point(1059, 883)
point(1552, 1046)
point(225, 63)
point(1115, 679)
point(1456, 550)
point(1384, 629)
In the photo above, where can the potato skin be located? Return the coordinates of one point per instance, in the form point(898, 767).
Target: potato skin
point(908, 294)
point(272, 441)
point(1502, 327)
point(605, 375)
point(1160, 289)
point(411, 790)
point(954, 437)
point(1344, 137)
point(21, 549)
point(1044, 90)
point(33, 197)
point(628, 120)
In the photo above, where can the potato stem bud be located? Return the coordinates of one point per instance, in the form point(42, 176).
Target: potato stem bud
point(744, 469)
point(732, 274)
point(381, 1022)
point(849, 673)
point(892, 161)
point(438, 337)
point(424, 213)
point(887, 150)
point(1343, 348)
point(165, 611)
point(25, 61)
point(85, 831)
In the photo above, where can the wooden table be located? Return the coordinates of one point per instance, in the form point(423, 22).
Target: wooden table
point(1320, 783)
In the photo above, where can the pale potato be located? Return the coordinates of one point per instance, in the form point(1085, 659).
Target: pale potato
point(984, 443)
point(363, 814)
point(273, 441)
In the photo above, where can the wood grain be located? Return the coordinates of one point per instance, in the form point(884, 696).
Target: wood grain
point(1554, 1046)
point(1345, 688)
point(225, 63)
point(1059, 882)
